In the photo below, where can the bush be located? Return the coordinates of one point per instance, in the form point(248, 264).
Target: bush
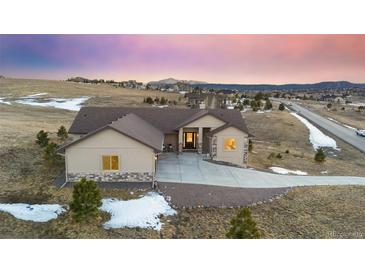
point(42, 138)
point(287, 151)
point(329, 105)
point(268, 104)
point(243, 226)
point(149, 100)
point(279, 156)
point(281, 107)
point(62, 133)
point(51, 155)
point(163, 101)
point(250, 145)
point(254, 105)
point(86, 200)
point(320, 156)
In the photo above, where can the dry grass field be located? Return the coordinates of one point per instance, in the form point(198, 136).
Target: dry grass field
point(349, 116)
point(316, 212)
point(278, 132)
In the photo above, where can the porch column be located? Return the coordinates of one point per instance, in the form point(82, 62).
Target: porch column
point(180, 140)
point(200, 140)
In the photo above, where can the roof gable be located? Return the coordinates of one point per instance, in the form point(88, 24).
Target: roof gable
point(133, 127)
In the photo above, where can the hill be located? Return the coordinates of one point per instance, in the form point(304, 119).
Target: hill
point(269, 87)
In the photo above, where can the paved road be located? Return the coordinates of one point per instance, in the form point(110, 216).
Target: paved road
point(346, 134)
point(191, 168)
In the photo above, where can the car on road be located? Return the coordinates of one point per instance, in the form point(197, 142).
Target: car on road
point(360, 132)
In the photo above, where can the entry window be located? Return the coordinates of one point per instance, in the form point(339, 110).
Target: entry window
point(229, 144)
point(110, 162)
point(189, 137)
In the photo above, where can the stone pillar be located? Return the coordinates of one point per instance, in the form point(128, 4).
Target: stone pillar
point(200, 140)
point(180, 140)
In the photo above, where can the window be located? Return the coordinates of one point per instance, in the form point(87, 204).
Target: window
point(110, 162)
point(229, 144)
point(189, 137)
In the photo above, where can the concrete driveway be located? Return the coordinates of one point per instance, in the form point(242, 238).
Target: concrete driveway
point(191, 168)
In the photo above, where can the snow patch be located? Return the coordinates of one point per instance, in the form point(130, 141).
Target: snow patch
point(324, 172)
point(73, 104)
point(35, 213)
point(36, 95)
point(281, 170)
point(316, 137)
point(143, 212)
point(4, 102)
point(260, 111)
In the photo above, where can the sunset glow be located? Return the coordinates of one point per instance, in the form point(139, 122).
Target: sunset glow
point(213, 58)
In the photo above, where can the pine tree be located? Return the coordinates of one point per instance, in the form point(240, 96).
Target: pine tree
point(320, 156)
point(254, 105)
point(268, 104)
point(51, 155)
point(86, 200)
point(243, 226)
point(281, 107)
point(42, 138)
point(62, 133)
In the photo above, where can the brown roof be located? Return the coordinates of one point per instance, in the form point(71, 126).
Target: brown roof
point(134, 127)
point(166, 120)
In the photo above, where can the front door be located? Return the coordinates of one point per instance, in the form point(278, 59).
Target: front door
point(190, 140)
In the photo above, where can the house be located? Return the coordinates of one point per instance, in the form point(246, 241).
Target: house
point(121, 144)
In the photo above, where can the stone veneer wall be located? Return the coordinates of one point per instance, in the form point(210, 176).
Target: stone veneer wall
point(112, 177)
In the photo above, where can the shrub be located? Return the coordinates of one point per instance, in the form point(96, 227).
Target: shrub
point(250, 145)
point(320, 156)
point(86, 200)
point(254, 105)
point(281, 107)
point(163, 101)
point(287, 151)
point(62, 133)
point(243, 226)
point(51, 155)
point(246, 102)
point(268, 104)
point(42, 138)
point(329, 105)
point(149, 100)
point(360, 108)
point(279, 156)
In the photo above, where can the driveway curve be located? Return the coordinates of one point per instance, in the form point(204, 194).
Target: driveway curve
point(192, 169)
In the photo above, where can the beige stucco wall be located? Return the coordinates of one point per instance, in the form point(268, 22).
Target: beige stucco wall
point(171, 139)
point(206, 121)
point(86, 156)
point(236, 156)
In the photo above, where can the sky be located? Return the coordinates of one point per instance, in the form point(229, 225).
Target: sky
point(240, 59)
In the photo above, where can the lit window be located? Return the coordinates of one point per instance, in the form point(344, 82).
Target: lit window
point(110, 162)
point(230, 144)
point(189, 137)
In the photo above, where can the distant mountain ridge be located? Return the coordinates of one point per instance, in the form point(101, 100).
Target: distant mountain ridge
point(271, 87)
point(173, 81)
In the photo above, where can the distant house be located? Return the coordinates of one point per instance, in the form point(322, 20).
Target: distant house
point(196, 100)
point(123, 144)
point(339, 99)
